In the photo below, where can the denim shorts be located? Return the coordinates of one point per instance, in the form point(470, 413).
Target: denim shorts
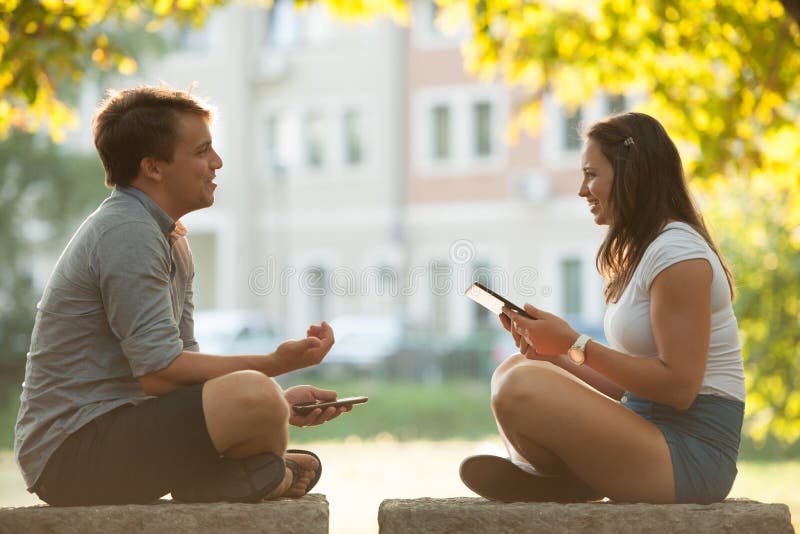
point(703, 442)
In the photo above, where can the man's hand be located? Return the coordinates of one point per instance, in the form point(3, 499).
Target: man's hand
point(307, 394)
point(300, 353)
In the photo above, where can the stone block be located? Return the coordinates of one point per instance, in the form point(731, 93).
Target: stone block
point(474, 515)
point(289, 516)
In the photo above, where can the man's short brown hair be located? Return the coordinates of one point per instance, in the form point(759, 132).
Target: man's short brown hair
point(132, 124)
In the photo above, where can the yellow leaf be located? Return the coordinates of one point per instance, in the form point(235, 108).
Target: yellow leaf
point(99, 56)
point(127, 66)
point(67, 24)
point(162, 7)
point(55, 6)
point(154, 25)
point(6, 78)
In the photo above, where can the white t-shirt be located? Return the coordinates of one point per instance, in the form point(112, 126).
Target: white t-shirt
point(627, 322)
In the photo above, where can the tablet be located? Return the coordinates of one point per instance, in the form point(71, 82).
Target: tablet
point(492, 301)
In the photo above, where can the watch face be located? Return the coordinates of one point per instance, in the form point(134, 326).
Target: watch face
point(576, 355)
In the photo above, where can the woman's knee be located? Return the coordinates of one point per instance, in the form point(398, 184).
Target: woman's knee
point(506, 365)
point(523, 386)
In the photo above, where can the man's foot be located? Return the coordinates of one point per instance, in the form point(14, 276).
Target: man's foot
point(498, 479)
point(303, 470)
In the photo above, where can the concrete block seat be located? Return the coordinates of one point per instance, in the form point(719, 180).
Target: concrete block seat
point(473, 515)
point(288, 516)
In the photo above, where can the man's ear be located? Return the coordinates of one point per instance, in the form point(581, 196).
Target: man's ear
point(150, 168)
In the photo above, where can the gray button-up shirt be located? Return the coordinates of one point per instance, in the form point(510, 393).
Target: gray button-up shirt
point(117, 306)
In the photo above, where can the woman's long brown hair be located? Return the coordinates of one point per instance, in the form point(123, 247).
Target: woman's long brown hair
point(649, 189)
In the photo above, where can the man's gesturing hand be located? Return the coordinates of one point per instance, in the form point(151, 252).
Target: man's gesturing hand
point(300, 353)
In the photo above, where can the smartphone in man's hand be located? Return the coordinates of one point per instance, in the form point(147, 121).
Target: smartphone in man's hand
point(309, 407)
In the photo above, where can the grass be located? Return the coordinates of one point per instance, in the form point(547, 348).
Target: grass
point(408, 411)
point(9, 404)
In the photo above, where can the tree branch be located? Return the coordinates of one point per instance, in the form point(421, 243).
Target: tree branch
point(792, 7)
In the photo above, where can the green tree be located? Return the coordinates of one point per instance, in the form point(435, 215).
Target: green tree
point(43, 187)
point(765, 257)
point(46, 45)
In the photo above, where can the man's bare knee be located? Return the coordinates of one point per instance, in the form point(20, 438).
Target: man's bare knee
point(258, 396)
point(246, 413)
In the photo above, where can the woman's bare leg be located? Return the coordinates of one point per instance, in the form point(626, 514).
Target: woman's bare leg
point(557, 423)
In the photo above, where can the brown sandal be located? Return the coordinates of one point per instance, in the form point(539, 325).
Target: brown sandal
point(298, 470)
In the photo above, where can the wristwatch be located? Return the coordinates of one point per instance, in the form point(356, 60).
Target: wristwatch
point(575, 352)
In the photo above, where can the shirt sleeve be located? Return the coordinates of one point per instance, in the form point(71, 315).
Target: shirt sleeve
point(134, 269)
point(673, 246)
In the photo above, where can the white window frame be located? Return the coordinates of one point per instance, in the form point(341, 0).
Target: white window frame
point(554, 152)
point(592, 308)
point(424, 37)
point(463, 159)
point(334, 165)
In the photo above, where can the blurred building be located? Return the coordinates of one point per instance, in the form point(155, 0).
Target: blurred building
point(366, 173)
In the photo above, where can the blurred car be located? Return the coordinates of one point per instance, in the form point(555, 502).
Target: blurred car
point(231, 332)
point(363, 341)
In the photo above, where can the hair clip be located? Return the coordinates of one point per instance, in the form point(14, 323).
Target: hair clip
point(629, 141)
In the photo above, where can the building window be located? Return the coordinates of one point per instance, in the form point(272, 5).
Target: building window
point(616, 103)
point(482, 121)
point(271, 135)
point(353, 137)
point(440, 116)
point(572, 138)
point(317, 291)
point(191, 39)
point(483, 274)
point(204, 253)
point(276, 151)
point(441, 285)
point(282, 25)
point(571, 284)
point(315, 136)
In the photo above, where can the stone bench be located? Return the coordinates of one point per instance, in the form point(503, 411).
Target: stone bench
point(472, 515)
point(289, 516)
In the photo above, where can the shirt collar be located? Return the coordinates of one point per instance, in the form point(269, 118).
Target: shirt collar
point(164, 221)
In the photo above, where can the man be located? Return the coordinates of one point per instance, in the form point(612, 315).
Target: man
point(118, 405)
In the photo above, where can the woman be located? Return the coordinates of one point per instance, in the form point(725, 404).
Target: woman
point(656, 417)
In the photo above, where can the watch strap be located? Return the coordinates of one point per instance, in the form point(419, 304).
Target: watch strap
point(581, 342)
